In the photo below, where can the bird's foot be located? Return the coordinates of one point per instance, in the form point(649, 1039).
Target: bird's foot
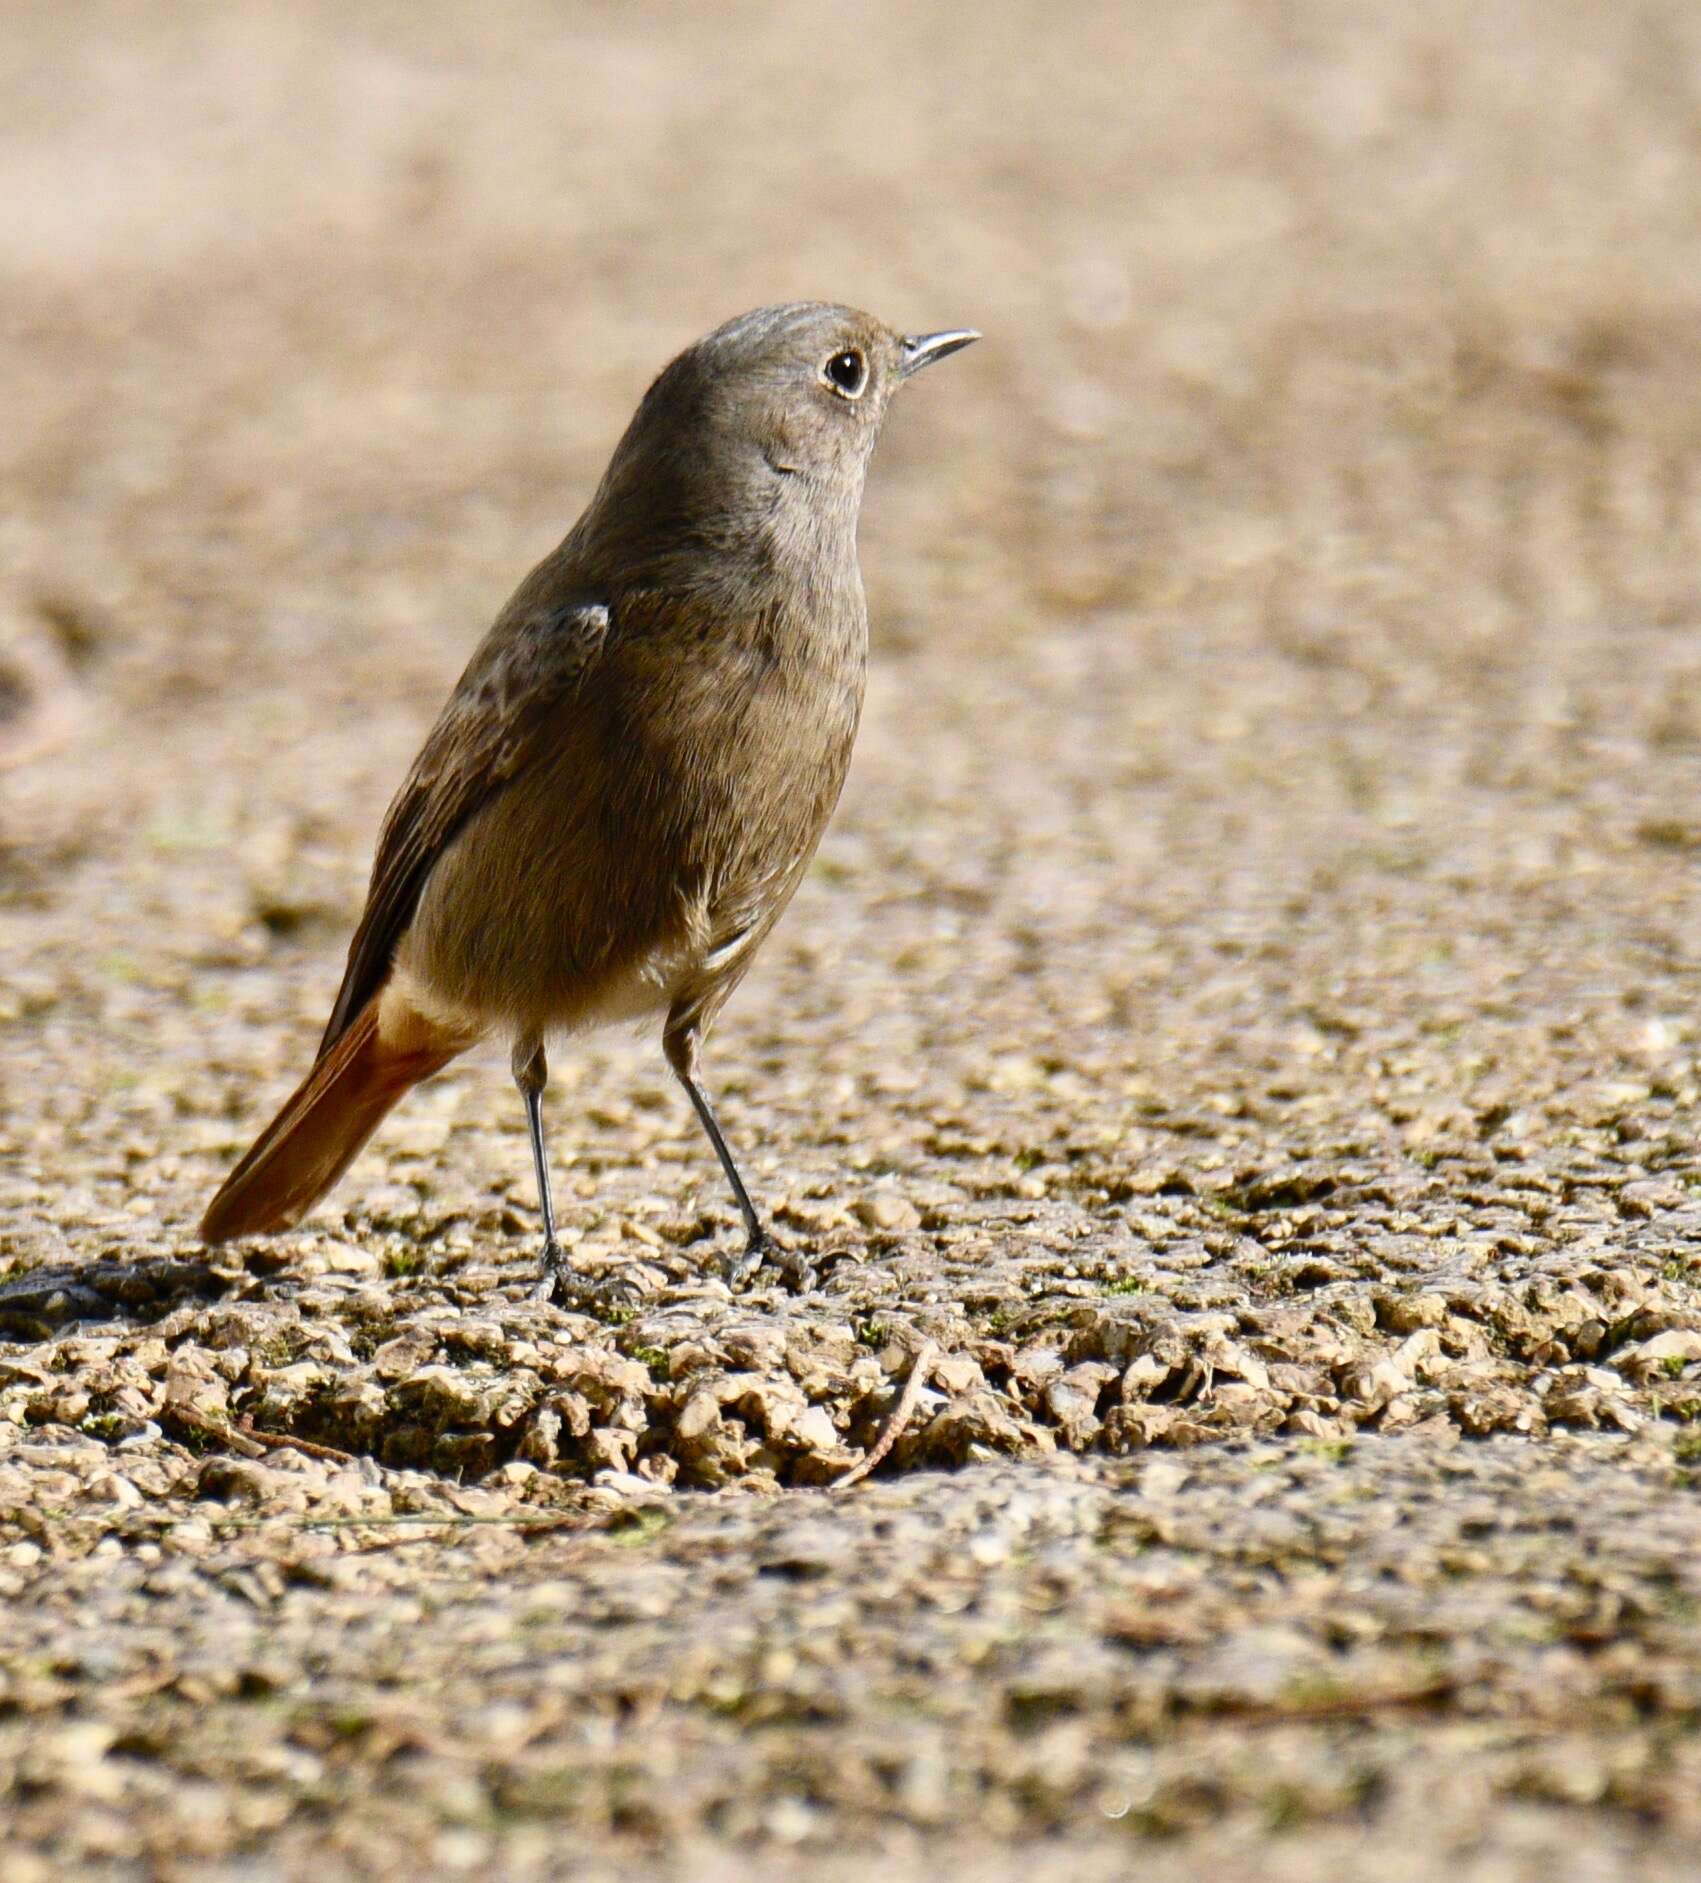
point(761, 1250)
point(563, 1286)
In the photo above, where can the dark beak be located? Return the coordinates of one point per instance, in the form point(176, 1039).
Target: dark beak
point(922, 349)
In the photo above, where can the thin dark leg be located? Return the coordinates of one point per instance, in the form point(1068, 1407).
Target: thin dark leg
point(711, 1124)
point(540, 1162)
point(560, 1283)
point(531, 1075)
point(759, 1247)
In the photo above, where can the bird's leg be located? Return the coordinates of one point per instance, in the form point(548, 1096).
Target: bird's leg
point(559, 1284)
point(682, 1048)
point(531, 1075)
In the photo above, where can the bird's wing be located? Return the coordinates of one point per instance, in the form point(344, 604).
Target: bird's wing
point(494, 726)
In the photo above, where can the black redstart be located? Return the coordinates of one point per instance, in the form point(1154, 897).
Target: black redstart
point(630, 778)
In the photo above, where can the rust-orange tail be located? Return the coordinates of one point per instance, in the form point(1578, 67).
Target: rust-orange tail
point(320, 1131)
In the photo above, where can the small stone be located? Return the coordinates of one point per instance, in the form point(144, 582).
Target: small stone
point(958, 1373)
point(445, 1395)
point(1075, 1411)
point(814, 1430)
point(405, 1354)
point(1033, 1366)
point(1405, 1314)
point(885, 1209)
point(1674, 1349)
point(610, 1448)
point(236, 1481)
point(110, 1488)
point(699, 1413)
point(1227, 1356)
point(627, 1483)
point(346, 1258)
point(1143, 1374)
point(541, 1443)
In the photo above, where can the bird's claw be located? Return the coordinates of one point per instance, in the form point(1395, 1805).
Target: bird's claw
point(564, 1287)
point(761, 1250)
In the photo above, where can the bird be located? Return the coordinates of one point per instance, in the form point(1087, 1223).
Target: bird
point(628, 782)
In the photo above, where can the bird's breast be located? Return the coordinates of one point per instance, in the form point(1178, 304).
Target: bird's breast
point(738, 697)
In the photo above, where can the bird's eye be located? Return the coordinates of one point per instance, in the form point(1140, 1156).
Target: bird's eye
point(846, 373)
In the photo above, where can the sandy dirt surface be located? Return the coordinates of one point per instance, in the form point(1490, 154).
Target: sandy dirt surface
point(1242, 1018)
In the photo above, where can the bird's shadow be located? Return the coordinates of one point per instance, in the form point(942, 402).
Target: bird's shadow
point(40, 1303)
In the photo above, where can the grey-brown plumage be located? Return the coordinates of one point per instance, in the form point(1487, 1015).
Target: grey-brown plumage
point(628, 782)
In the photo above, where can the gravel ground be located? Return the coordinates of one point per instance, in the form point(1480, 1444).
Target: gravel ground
point(1237, 1042)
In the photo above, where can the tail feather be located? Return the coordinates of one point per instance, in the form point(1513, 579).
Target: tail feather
point(320, 1131)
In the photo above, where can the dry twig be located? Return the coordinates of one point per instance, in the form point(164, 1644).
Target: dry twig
point(282, 1441)
point(921, 1367)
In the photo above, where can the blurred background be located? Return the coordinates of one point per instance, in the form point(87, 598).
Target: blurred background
point(1302, 573)
point(1264, 905)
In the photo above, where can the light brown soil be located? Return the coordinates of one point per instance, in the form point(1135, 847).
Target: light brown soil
point(1243, 1015)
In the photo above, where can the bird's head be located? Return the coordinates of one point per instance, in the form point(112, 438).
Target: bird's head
point(807, 384)
point(770, 417)
point(804, 386)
